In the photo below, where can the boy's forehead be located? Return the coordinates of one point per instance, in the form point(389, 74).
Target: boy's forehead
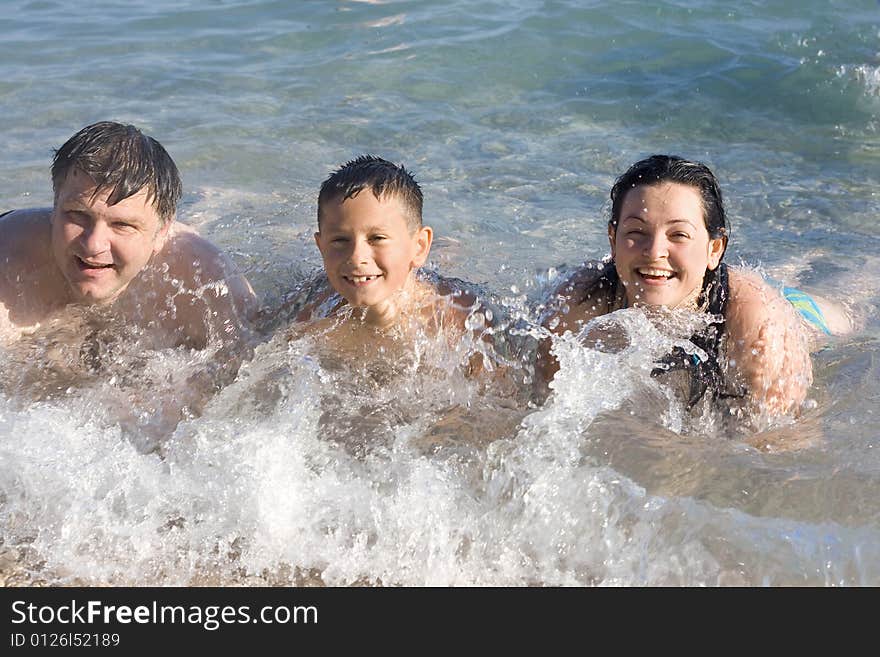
point(365, 208)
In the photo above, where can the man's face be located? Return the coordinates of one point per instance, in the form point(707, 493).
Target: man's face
point(100, 248)
point(368, 248)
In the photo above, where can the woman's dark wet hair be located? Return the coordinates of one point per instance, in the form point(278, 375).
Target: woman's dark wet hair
point(659, 169)
point(382, 178)
point(656, 170)
point(124, 160)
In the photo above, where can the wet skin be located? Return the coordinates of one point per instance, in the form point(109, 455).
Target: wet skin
point(369, 251)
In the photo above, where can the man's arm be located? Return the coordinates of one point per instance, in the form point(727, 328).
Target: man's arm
point(213, 308)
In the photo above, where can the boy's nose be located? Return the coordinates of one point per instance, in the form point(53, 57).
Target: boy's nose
point(360, 252)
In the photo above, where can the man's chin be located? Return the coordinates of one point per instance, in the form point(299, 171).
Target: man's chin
point(91, 296)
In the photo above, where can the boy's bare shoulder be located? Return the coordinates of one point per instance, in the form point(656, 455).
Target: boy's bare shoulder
point(448, 301)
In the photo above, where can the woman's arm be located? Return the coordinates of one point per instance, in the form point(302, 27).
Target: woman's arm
point(567, 308)
point(767, 345)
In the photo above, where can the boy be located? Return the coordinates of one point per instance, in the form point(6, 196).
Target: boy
point(372, 241)
point(371, 238)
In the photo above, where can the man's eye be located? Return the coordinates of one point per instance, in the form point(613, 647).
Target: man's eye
point(77, 217)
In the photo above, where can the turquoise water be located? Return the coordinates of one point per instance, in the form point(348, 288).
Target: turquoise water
point(516, 117)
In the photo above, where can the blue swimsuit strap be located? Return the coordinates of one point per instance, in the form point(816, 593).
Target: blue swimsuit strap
point(807, 307)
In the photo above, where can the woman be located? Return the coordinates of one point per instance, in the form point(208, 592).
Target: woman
point(668, 233)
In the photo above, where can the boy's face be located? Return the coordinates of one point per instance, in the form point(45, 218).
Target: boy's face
point(368, 249)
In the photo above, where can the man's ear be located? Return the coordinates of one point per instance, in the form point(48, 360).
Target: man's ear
point(423, 238)
point(612, 233)
point(162, 235)
point(716, 250)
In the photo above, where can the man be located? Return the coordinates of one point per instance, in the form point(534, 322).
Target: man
point(108, 258)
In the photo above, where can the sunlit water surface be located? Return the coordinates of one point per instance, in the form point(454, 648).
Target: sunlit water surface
point(395, 468)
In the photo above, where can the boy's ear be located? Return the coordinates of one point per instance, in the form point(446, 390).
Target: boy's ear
point(612, 232)
point(716, 250)
point(318, 241)
point(423, 238)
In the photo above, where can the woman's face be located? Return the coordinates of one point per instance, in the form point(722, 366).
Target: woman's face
point(661, 246)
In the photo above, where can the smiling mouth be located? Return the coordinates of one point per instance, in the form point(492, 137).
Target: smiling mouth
point(361, 280)
point(655, 275)
point(85, 265)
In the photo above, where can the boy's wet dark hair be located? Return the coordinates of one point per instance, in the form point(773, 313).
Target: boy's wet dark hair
point(124, 160)
point(659, 169)
point(382, 178)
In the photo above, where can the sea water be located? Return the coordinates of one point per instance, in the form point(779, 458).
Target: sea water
point(515, 117)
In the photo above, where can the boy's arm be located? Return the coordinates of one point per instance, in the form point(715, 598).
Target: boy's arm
point(768, 348)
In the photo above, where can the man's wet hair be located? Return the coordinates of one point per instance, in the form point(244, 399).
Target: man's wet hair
point(382, 178)
point(121, 159)
point(659, 169)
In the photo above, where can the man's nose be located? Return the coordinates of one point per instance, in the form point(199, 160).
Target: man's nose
point(95, 238)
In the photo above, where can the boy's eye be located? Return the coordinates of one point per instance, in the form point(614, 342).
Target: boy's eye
point(377, 238)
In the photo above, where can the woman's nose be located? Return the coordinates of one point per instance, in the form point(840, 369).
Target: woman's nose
point(656, 247)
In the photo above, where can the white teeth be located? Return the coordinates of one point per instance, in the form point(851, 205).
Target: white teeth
point(656, 272)
point(95, 264)
point(361, 279)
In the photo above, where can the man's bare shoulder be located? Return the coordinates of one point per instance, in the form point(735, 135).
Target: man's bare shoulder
point(25, 235)
point(186, 252)
point(198, 264)
point(31, 287)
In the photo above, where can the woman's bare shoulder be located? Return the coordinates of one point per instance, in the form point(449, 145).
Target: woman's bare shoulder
point(753, 300)
point(577, 298)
